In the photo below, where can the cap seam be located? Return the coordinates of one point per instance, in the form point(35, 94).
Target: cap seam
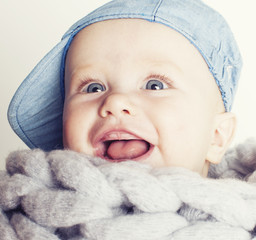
point(156, 9)
point(102, 18)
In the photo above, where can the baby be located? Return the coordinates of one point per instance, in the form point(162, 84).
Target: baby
point(135, 81)
point(151, 81)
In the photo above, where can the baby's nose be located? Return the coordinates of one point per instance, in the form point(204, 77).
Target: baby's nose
point(117, 105)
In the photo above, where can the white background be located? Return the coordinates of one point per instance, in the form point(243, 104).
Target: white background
point(29, 29)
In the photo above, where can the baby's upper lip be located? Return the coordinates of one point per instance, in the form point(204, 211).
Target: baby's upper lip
point(115, 134)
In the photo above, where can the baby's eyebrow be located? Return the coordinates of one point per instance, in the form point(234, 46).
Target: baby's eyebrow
point(162, 63)
point(84, 71)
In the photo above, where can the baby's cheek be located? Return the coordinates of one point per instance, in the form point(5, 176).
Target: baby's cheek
point(69, 132)
point(72, 127)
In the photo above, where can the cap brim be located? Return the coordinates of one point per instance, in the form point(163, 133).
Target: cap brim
point(39, 123)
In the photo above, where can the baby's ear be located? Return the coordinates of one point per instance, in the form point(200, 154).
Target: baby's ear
point(223, 133)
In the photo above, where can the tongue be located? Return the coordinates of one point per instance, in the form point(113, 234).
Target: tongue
point(127, 149)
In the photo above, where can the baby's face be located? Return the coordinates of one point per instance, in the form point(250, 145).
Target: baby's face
point(138, 91)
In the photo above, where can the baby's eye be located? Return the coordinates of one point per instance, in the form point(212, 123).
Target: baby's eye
point(155, 85)
point(94, 87)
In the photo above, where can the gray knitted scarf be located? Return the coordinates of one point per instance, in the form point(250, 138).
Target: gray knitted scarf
point(66, 195)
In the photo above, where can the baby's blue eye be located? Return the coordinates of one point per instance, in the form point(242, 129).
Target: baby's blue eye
point(95, 87)
point(154, 85)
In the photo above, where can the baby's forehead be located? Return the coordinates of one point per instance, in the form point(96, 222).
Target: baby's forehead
point(122, 40)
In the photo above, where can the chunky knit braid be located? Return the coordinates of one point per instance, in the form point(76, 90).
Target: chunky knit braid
point(66, 195)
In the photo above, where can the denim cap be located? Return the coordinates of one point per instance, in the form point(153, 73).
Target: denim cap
point(35, 112)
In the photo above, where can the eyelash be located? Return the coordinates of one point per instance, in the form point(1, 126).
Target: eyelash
point(85, 82)
point(162, 78)
point(159, 77)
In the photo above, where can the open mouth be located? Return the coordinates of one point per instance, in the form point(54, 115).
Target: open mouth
point(124, 149)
